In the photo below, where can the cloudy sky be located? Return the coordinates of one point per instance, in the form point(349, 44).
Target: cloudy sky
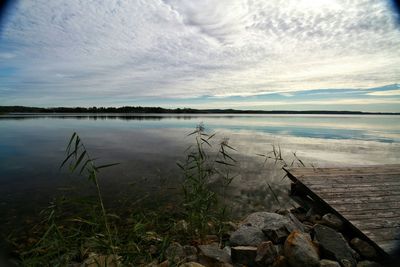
point(244, 54)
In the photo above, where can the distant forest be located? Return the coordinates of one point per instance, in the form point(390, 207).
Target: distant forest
point(159, 110)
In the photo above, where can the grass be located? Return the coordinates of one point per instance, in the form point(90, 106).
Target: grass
point(201, 167)
point(74, 229)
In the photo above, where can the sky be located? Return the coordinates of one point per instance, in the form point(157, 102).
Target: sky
point(242, 54)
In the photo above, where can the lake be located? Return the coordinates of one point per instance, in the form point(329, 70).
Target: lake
point(148, 147)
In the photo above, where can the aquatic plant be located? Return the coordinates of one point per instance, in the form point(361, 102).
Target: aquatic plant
point(78, 158)
point(201, 167)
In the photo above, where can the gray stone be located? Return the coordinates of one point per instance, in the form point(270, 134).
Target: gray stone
point(247, 235)
point(267, 219)
point(244, 255)
point(312, 216)
point(277, 233)
point(368, 264)
point(190, 253)
point(165, 263)
point(280, 261)
point(307, 228)
point(96, 260)
point(212, 253)
point(362, 247)
point(228, 250)
point(346, 263)
point(175, 252)
point(191, 264)
point(332, 221)
point(296, 222)
point(328, 263)
point(266, 253)
point(274, 226)
point(279, 249)
point(333, 245)
point(300, 251)
point(231, 226)
point(151, 264)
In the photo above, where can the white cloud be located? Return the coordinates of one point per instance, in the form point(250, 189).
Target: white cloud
point(6, 55)
point(182, 48)
point(385, 93)
point(311, 104)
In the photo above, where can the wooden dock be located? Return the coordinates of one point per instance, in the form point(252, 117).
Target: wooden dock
point(367, 199)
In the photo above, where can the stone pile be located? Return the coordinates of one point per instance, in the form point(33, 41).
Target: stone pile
point(283, 239)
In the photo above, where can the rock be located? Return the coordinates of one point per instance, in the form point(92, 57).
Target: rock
point(307, 228)
point(211, 254)
point(332, 221)
point(267, 219)
point(328, 263)
point(275, 227)
point(300, 251)
point(280, 261)
point(296, 222)
point(314, 218)
point(333, 245)
point(346, 263)
point(307, 223)
point(299, 212)
point(153, 250)
point(164, 264)
point(362, 247)
point(228, 250)
point(152, 264)
point(282, 211)
point(190, 253)
point(191, 264)
point(244, 255)
point(181, 226)
point(279, 249)
point(231, 226)
point(276, 233)
point(247, 235)
point(95, 260)
point(368, 264)
point(175, 252)
point(266, 253)
point(211, 239)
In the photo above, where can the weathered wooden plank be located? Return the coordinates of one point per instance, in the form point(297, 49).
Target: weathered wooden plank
point(380, 169)
point(376, 223)
point(388, 246)
point(367, 197)
point(349, 176)
point(369, 207)
point(358, 195)
point(360, 200)
point(383, 234)
point(353, 215)
point(342, 173)
point(378, 188)
point(354, 182)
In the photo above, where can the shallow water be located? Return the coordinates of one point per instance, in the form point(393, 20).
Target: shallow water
point(148, 146)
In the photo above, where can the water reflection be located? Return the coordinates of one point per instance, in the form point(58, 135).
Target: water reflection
point(342, 127)
point(148, 146)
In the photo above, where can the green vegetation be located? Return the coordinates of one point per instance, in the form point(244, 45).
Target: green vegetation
point(159, 110)
point(77, 229)
point(201, 204)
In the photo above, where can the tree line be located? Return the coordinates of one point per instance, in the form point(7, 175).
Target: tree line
point(160, 110)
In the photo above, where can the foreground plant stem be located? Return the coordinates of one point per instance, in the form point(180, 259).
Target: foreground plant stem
point(91, 167)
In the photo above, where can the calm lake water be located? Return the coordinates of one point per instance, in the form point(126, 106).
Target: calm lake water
point(148, 147)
